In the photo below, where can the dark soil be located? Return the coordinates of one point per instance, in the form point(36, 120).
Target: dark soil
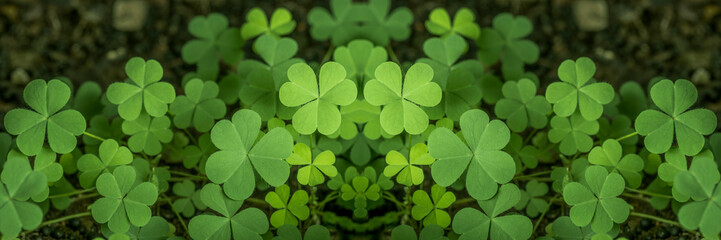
point(77, 39)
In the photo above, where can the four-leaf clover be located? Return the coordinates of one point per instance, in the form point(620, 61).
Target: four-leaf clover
point(575, 91)
point(290, 208)
point(596, 202)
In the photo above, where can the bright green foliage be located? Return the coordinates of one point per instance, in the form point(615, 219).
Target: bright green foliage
point(431, 208)
point(573, 133)
point(214, 40)
point(124, 202)
point(197, 155)
point(281, 23)
point(577, 91)
point(290, 208)
point(464, 23)
point(430, 232)
point(360, 59)
point(704, 214)
point(481, 154)
point(19, 183)
point(311, 173)
point(45, 163)
point(369, 20)
point(147, 133)
point(409, 172)
point(674, 99)
point(189, 198)
point(609, 155)
point(596, 202)
point(563, 228)
point(47, 100)
point(714, 146)
point(505, 40)
point(318, 98)
point(143, 91)
point(633, 99)
point(699, 181)
point(157, 228)
point(401, 97)
point(360, 191)
point(536, 190)
point(315, 232)
point(473, 224)
point(6, 143)
point(521, 107)
point(246, 224)
point(199, 106)
point(236, 139)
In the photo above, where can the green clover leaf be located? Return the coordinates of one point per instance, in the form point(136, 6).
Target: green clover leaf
point(157, 228)
point(147, 133)
point(505, 40)
point(45, 162)
point(699, 181)
point(311, 173)
point(409, 172)
point(315, 232)
point(290, 208)
point(401, 97)
point(102, 127)
point(197, 155)
point(188, 199)
point(609, 155)
point(87, 99)
point(596, 202)
point(6, 143)
point(19, 183)
point(384, 24)
point(473, 224)
point(360, 59)
point(714, 145)
point(431, 208)
point(406, 232)
point(487, 165)
point(351, 21)
point(47, 100)
point(573, 133)
point(360, 192)
point(575, 91)
point(633, 99)
point(199, 106)
point(521, 107)
point(658, 127)
point(536, 204)
point(143, 92)
point(246, 224)
point(338, 27)
point(214, 39)
point(464, 23)
point(318, 98)
point(281, 23)
point(703, 215)
point(123, 203)
point(236, 139)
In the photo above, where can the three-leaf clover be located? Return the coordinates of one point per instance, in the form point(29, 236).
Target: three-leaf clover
point(464, 23)
point(596, 202)
point(609, 155)
point(674, 99)
point(318, 97)
point(214, 39)
point(18, 183)
point(401, 97)
point(706, 210)
point(281, 23)
point(505, 40)
point(409, 172)
point(431, 208)
point(487, 165)
point(311, 173)
point(47, 100)
point(521, 107)
point(471, 223)
point(199, 106)
point(536, 204)
point(360, 59)
point(699, 181)
point(575, 91)
point(246, 224)
point(236, 139)
point(290, 208)
point(573, 133)
point(123, 202)
point(147, 133)
point(143, 92)
point(360, 191)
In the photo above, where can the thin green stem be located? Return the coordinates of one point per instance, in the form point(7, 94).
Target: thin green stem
point(81, 197)
point(328, 54)
point(327, 199)
point(93, 136)
point(628, 195)
point(71, 193)
point(57, 220)
point(647, 193)
point(543, 214)
point(192, 138)
point(464, 201)
point(409, 146)
point(390, 197)
point(186, 174)
point(311, 145)
point(256, 201)
point(627, 136)
point(532, 175)
point(172, 207)
point(392, 54)
point(530, 136)
point(663, 220)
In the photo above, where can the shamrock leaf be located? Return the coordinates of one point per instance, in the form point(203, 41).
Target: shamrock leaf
point(658, 127)
point(19, 183)
point(315, 232)
point(47, 100)
point(385, 26)
point(123, 203)
point(609, 155)
point(633, 99)
point(318, 97)
point(143, 91)
point(231, 166)
point(87, 99)
point(401, 97)
point(699, 181)
point(487, 165)
point(464, 23)
point(360, 192)
point(312, 171)
point(703, 215)
point(338, 27)
point(442, 55)
point(246, 224)
point(505, 40)
point(596, 202)
point(45, 163)
point(199, 107)
point(536, 190)
point(6, 143)
point(360, 59)
point(473, 224)
point(157, 228)
point(521, 107)
point(147, 133)
point(185, 190)
point(430, 232)
point(214, 39)
point(431, 208)
point(197, 155)
point(290, 208)
point(573, 133)
point(281, 23)
point(408, 171)
point(575, 91)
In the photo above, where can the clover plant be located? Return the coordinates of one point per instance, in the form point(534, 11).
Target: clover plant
point(364, 142)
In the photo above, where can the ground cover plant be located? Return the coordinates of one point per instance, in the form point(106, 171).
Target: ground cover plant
point(460, 144)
